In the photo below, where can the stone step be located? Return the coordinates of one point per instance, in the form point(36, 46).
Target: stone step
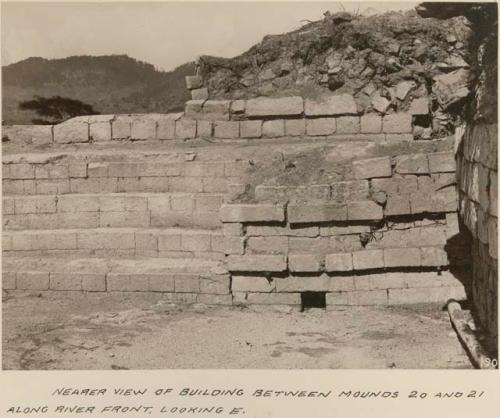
point(114, 210)
point(205, 281)
point(115, 242)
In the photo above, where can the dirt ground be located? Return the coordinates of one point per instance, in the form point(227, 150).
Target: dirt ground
point(143, 331)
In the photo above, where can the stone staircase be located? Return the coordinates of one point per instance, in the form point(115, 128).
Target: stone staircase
point(115, 220)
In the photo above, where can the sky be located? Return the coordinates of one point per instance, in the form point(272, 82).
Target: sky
point(160, 33)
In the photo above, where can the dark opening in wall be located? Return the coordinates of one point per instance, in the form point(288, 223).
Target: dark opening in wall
point(313, 300)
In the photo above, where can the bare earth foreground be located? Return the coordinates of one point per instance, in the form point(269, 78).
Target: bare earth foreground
point(139, 331)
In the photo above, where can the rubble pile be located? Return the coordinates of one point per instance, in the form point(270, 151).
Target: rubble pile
point(394, 62)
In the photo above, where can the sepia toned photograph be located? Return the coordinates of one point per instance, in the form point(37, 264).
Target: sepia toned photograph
point(251, 185)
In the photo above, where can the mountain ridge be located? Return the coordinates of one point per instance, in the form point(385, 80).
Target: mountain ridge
point(110, 83)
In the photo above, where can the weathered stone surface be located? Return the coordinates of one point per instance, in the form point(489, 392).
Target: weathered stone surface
point(238, 106)
point(348, 125)
point(252, 213)
point(343, 191)
point(402, 257)
point(451, 87)
point(380, 104)
point(267, 245)
point(185, 129)
point(493, 194)
point(194, 108)
point(143, 129)
point(251, 128)
point(216, 110)
point(412, 164)
point(365, 210)
point(338, 262)
point(252, 284)
point(199, 94)
point(321, 126)
point(304, 263)
point(283, 106)
point(273, 128)
point(295, 127)
point(403, 88)
point(71, 131)
point(419, 106)
point(227, 129)
point(368, 259)
point(372, 168)
point(311, 213)
point(371, 124)
point(397, 206)
point(204, 129)
point(28, 134)
point(166, 129)
point(433, 257)
point(303, 284)
point(442, 162)
point(256, 263)
point(397, 123)
point(342, 104)
point(193, 82)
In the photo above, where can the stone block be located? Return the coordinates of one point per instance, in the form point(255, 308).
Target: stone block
point(227, 129)
point(28, 134)
point(348, 125)
point(251, 128)
point(338, 262)
point(231, 244)
point(71, 132)
point(32, 280)
point(215, 299)
point(380, 281)
point(22, 171)
point(105, 240)
point(402, 257)
point(442, 162)
point(195, 242)
point(252, 284)
point(273, 128)
point(121, 129)
point(251, 230)
point(419, 106)
point(216, 110)
point(397, 206)
point(199, 94)
point(303, 284)
point(169, 242)
point(426, 295)
point(186, 283)
point(194, 108)
point(493, 194)
point(342, 104)
point(252, 213)
point(336, 298)
point(295, 127)
point(267, 245)
point(368, 259)
point(215, 284)
point(371, 124)
point(233, 230)
point(143, 130)
point(372, 168)
point(434, 257)
point(123, 282)
point(165, 129)
point(100, 131)
point(312, 213)
point(320, 126)
point(271, 298)
point(304, 263)
point(8, 279)
point(412, 164)
point(204, 129)
point(193, 82)
point(282, 106)
point(367, 297)
point(397, 123)
point(238, 106)
point(97, 170)
point(366, 210)
point(185, 129)
point(256, 263)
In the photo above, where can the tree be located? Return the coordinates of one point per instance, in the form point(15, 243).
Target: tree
point(56, 109)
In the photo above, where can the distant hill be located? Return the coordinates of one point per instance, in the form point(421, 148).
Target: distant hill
point(111, 84)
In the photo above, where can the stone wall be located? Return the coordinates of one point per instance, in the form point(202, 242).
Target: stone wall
point(478, 184)
point(391, 237)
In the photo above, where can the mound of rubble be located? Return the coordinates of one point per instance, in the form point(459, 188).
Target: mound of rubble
point(389, 63)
